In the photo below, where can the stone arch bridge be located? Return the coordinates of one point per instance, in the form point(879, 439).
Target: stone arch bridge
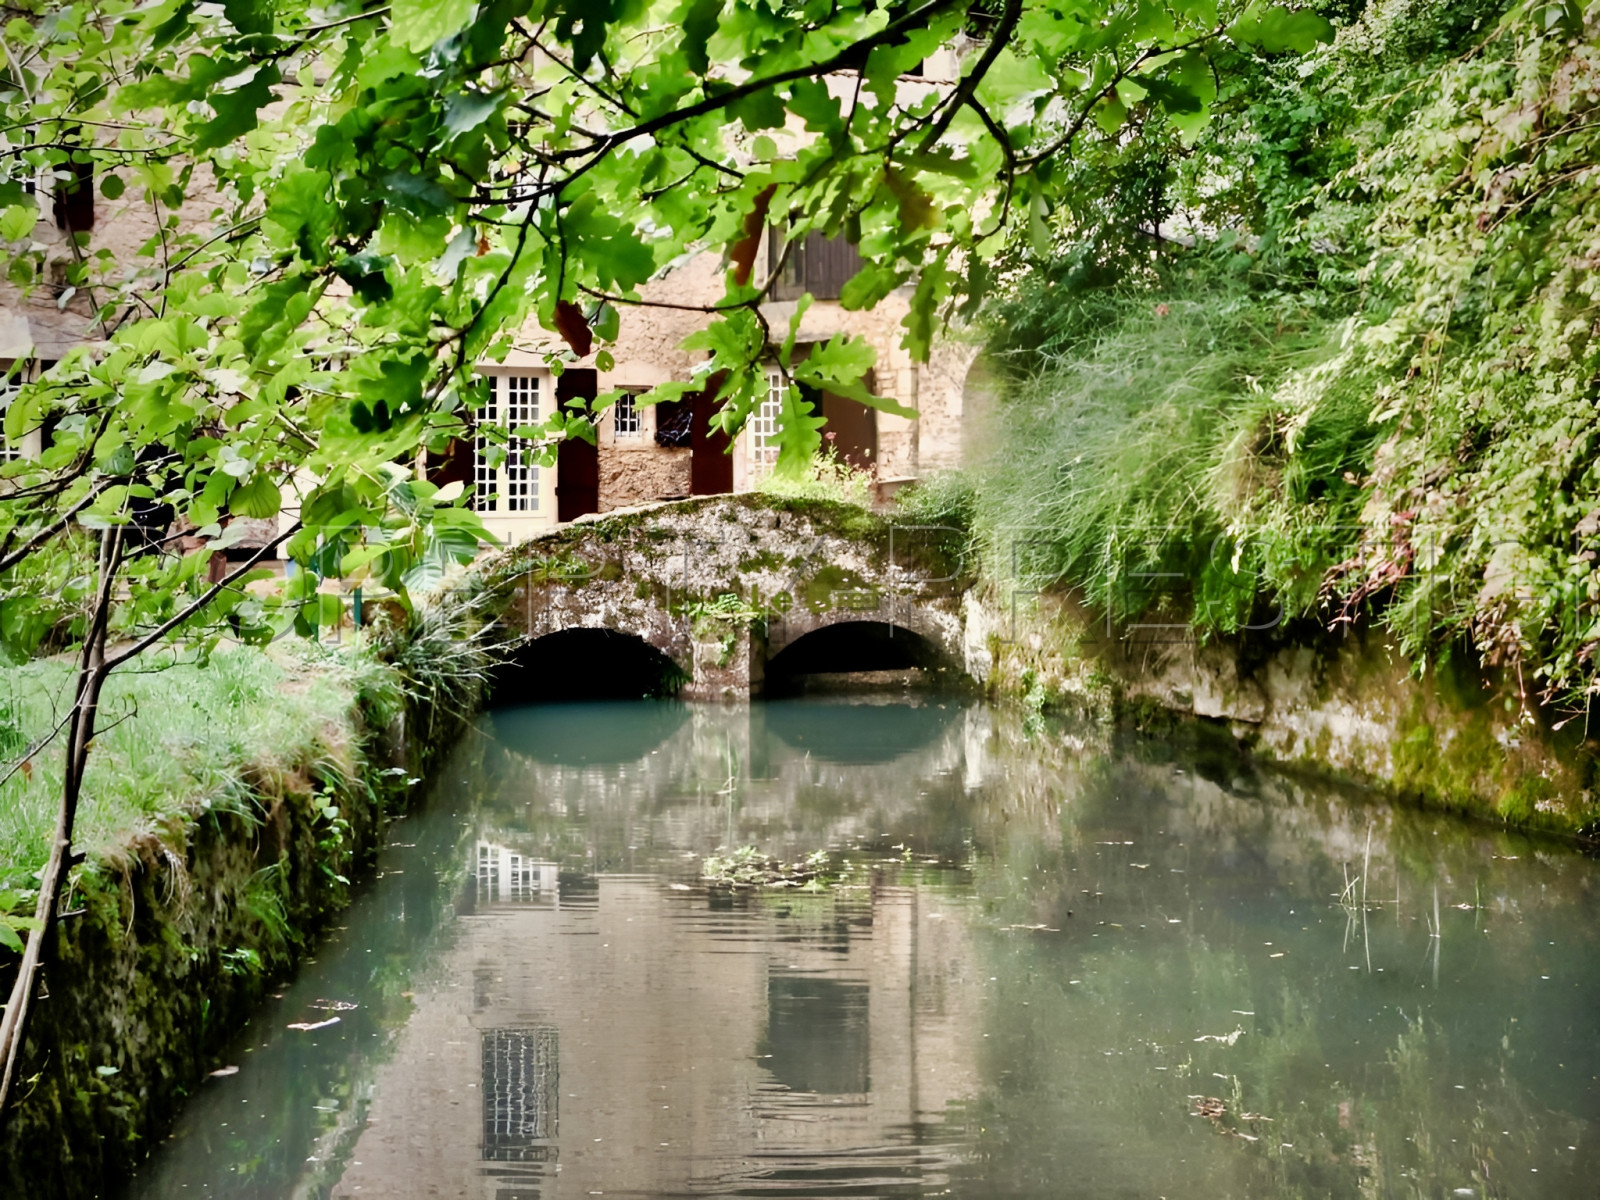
point(732, 595)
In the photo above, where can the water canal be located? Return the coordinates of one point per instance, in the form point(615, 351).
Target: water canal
point(1056, 968)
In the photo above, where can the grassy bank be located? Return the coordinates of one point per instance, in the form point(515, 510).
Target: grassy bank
point(178, 740)
point(229, 808)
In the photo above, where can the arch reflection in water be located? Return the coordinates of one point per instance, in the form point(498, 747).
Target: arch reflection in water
point(838, 731)
point(598, 733)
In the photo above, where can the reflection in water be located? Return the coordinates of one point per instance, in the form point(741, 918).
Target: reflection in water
point(589, 733)
point(506, 877)
point(817, 1032)
point(835, 731)
point(521, 1093)
point(1059, 969)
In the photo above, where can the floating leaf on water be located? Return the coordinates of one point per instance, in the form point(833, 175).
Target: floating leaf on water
point(1227, 1039)
point(307, 1027)
point(222, 1072)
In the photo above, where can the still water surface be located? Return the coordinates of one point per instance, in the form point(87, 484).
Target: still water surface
point(1059, 969)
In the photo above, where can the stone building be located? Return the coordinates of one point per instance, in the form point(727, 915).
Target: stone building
point(641, 453)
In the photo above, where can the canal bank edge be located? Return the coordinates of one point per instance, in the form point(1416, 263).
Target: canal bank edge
point(1344, 704)
point(153, 975)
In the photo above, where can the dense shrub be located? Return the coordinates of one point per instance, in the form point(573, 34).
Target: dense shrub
point(1366, 377)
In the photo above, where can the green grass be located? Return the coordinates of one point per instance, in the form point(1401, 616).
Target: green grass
point(830, 478)
point(173, 741)
point(1190, 439)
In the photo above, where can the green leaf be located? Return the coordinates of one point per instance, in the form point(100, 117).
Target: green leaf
point(17, 222)
point(1171, 96)
point(299, 207)
point(798, 435)
point(365, 275)
point(699, 20)
point(1278, 30)
point(259, 498)
point(869, 285)
point(418, 24)
point(840, 366)
point(238, 111)
point(469, 110)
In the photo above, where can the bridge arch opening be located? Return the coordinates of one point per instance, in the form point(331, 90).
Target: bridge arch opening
point(857, 655)
point(585, 664)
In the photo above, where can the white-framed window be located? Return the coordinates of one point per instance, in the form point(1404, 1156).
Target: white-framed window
point(625, 416)
point(763, 424)
point(9, 386)
point(513, 486)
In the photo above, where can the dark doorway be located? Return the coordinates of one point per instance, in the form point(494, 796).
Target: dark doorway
point(577, 460)
point(710, 464)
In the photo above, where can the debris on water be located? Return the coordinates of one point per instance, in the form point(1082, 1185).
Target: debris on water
point(1227, 1039)
point(1208, 1106)
point(334, 1005)
point(310, 1026)
point(679, 887)
point(223, 1072)
point(747, 868)
point(1030, 928)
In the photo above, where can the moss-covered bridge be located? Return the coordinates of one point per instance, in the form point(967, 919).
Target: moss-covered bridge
point(726, 597)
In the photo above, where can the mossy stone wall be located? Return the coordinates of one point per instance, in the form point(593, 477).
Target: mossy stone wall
point(1451, 735)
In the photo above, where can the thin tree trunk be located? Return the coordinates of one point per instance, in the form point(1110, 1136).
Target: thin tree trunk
point(92, 671)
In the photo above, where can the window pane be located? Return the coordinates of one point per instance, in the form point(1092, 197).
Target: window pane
point(522, 476)
point(514, 486)
point(763, 425)
point(625, 416)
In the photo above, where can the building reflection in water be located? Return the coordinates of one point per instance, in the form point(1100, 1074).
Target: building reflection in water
point(521, 1093)
point(709, 1043)
point(506, 876)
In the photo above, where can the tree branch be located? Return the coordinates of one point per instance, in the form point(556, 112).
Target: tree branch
point(210, 594)
point(49, 531)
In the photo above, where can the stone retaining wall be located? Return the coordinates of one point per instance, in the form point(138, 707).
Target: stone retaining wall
point(1452, 735)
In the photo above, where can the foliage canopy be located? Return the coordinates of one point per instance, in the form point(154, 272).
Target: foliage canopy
point(351, 206)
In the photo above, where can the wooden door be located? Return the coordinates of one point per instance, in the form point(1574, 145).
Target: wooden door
point(710, 464)
point(577, 461)
point(852, 429)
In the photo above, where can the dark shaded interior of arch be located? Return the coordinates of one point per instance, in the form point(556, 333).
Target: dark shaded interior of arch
point(850, 647)
point(585, 664)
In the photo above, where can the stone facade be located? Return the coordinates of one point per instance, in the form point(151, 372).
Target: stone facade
point(41, 326)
